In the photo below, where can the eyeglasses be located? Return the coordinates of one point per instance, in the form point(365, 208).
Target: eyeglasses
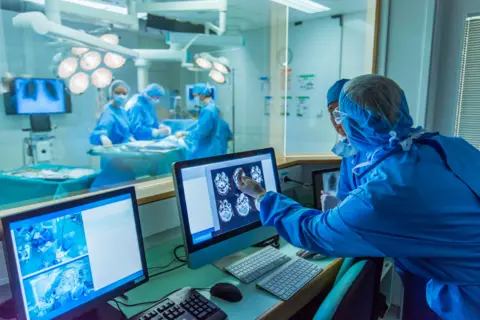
point(339, 116)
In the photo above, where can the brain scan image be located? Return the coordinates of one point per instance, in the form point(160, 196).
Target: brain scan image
point(222, 183)
point(256, 174)
point(236, 176)
point(243, 205)
point(225, 211)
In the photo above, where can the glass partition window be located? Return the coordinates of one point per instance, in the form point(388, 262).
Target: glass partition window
point(77, 117)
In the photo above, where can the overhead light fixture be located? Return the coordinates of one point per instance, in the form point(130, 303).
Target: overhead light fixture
point(79, 51)
point(101, 78)
point(306, 6)
point(90, 60)
point(113, 60)
point(203, 60)
point(78, 83)
point(222, 64)
point(111, 38)
point(217, 76)
point(67, 67)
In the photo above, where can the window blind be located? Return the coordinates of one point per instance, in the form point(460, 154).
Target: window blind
point(467, 123)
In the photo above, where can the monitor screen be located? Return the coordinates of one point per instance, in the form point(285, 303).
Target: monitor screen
point(216, 209)
point(66, 258)
point(325, 182)
point(38, 96)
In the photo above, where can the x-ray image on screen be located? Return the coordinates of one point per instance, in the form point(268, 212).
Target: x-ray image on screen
point(330, 182)
point(233, 208)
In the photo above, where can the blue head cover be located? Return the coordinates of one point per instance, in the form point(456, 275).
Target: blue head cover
point(202, 89)
point(333, 93)
point(115, 84)
point(154, 90)
point(377, 113)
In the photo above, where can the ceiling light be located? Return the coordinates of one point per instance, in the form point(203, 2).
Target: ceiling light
point(78, 83)
point(217, 76)
point(111, 38)
point(222, 64)
point(306, 6)
point(113, 60)
point(79, 51)
point(67, 67)
point(101, 78)
point(203, 60)
point(90, 60)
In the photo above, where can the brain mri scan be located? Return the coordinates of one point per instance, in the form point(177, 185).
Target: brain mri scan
point(222, 183)
point(256, 174)
point(236, 176)
point(243, 205)
point(225, 211)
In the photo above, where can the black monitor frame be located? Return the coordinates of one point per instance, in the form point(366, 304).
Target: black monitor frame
point(98, 301)
point(177, 169)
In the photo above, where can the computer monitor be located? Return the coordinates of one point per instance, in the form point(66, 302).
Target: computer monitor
point(325, 180)
point(217, 219)
point(67, 259)
point(38, 96)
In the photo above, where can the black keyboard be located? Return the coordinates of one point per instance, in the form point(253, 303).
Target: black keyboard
point(185, 304)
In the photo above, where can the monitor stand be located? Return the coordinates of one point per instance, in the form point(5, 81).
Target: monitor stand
point(103, 312)
point(228, 260)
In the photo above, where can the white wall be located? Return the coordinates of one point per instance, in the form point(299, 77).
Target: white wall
point(447, 59)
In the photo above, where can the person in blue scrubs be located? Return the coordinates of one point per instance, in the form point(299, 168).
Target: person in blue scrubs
point(144, 124)
point(226, 135)
point(419, 202)
point(204, 138)
point(113, 126)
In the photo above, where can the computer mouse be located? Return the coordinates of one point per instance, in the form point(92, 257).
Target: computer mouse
point(227, 292)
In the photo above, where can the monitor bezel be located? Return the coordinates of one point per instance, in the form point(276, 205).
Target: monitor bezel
point(185, 225)
point(14, 111)
point(12, 265)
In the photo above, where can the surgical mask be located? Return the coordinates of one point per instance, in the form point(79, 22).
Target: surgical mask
point(154, 101)
point(344, 148)
point(120, 99)
point(197, 101)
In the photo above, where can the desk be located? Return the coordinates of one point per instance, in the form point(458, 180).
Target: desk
point(256, 304)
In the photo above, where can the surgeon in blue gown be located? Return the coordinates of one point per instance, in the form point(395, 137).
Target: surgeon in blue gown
point(113, 126)
point(204, 138)
point(144, 124)
point(419, 203)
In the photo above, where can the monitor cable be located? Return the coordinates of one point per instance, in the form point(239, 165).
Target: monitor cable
point(181, 259)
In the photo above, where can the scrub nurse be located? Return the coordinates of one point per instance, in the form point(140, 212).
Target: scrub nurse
point(419, 203)
point(144, 124)
point(113, 126)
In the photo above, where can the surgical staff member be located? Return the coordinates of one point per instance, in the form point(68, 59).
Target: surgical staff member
point(203, 138)
point(144, 124)
point(419, 203)
point(113, 126)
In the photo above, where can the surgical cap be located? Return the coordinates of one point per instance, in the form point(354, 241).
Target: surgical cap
point(203, 89)
point(154, 90)
point(377, 113)
point(115, 84)
point(333, 94)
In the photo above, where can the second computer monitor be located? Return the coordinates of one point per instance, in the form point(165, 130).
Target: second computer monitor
point(217, 218)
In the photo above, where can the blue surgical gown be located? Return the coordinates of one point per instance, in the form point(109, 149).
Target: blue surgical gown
point(348, 181)
point(225, 136)
point(421, 207)
point(203, 139)
point(142, 116)
point(114, 124)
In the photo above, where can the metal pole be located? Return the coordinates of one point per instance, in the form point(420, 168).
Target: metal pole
point(233, 108)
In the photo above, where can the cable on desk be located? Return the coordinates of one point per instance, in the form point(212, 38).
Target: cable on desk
point(120, 309)
point(176, 255)
point(163, 267)
point(166, 271)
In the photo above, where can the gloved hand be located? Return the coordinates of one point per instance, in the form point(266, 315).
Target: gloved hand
point(250, 187)
point(329, 201)
point(305, 254)
point(165, 130)
point(132, 139)
point(181, 134)
point(106, 142)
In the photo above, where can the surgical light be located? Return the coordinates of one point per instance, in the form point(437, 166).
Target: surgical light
point(67, 67)
point(111, 38)
point(79, 51)
point(113, 60)
point(306, 6)
point(78, 83)
point(203, 60)
point(222, 64)
point(101, 78)
point(217, 76)
point(90, 60)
